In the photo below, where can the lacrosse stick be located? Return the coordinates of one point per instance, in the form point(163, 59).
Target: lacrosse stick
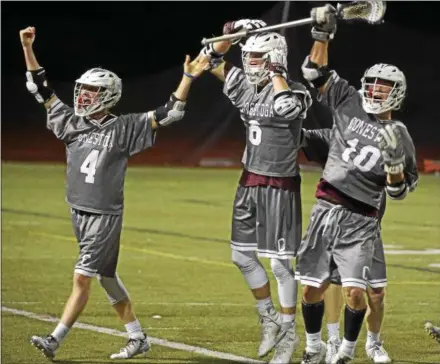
point(371, 12)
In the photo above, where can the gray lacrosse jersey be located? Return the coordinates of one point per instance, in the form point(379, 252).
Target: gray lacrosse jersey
point(316, 147)
point(272, 142)
point(97, 155)
point(355, 165)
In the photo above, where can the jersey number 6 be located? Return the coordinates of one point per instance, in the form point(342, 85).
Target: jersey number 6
point(254, 132)
point(89, 166)
point(367, 157)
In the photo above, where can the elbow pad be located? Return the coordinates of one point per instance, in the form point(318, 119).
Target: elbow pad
point(287, 104)
point(397, 191)
point(316, 75)
point(36, 83)
point(173, 110)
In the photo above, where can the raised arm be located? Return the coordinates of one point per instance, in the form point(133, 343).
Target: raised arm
point(174, 109)
point(333, 90)
point(290, 101)
point(35, 75)
point(218, 66)
point(315, 67)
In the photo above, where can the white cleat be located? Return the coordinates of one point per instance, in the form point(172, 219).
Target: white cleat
point(134, 347)
point(333, 344)
point(270, 327)
point(377, 353)
point(433, 331)
point(341, 358)
point(315, 357)
point(287, 342)
point(47, 345)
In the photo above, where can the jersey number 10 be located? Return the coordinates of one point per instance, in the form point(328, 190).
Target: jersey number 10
point(367, 157)
point(89, 166)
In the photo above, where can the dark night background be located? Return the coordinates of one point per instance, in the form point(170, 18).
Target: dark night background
point(145, 44)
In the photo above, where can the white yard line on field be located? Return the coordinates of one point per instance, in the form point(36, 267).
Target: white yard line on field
point(154, 341)
point(413, 252)
point(137, 303)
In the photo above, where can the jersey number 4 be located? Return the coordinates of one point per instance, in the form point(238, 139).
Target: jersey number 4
point(89, 166)
point(365, 159)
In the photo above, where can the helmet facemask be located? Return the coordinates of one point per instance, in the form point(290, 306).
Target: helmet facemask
point(383, 89)
point(255, 55)
point(255, 66)
point(95, 91)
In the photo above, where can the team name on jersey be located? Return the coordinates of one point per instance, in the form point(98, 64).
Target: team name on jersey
point(96, 139)
point(367, 130)
point(257, 109)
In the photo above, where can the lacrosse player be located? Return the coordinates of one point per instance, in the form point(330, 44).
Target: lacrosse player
point(266, 218)
point(316, 145)
point(369, 151)
point(98, 145)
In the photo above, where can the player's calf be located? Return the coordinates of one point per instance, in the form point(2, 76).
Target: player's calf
point(354, 314)
point(313, 312)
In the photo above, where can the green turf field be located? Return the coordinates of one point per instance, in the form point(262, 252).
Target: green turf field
point(175, 261)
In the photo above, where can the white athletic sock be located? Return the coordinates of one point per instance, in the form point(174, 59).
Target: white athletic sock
point(60, 332)
point(264, 304)
point(348, 347)
point(313, 342)
point(134, 330)
point(372, 337)
point(333, 330)
point(285, 317)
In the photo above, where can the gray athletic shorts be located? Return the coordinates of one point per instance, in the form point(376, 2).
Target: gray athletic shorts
point(337, 238)
point(267, 220)
point(378, 272)
point(98, 237)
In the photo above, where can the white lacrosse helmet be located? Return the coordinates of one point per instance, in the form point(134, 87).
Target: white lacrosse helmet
point(96, 90)
point(255, 54)
point(377, 96)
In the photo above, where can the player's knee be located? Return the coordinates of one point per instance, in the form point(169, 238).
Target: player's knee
point(114, 288)
point(245, 261)
point(81, 283)
point(312, 294)
point(354, 297)
point(282, 269)
point(376, 297)
point(251, 268)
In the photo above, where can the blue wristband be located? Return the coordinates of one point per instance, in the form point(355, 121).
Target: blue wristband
point(189, 75)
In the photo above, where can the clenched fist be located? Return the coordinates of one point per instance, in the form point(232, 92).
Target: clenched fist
point(243, 24)
point(27, 36)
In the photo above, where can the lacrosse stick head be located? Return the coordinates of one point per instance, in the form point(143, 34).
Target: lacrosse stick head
point(255, 55)
point(383, 88)
point(371, 12)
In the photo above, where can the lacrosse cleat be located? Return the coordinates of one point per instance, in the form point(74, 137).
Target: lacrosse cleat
point(333, 344)
point(377, 353)
point(47, 345)
point(341, 358)
point(134, 347)
point(287, 342)
point(270, 327)
point(315, 357)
